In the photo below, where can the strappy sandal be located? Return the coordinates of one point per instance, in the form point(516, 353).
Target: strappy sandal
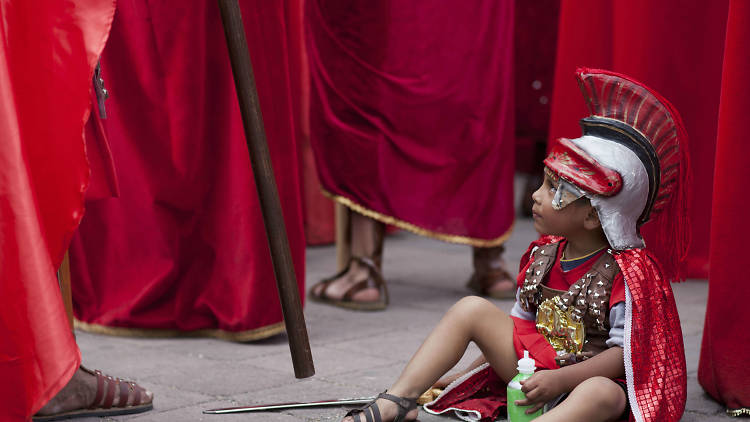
point(372, 412)
point(374, 279)
point(105, 396)
point(485, 276)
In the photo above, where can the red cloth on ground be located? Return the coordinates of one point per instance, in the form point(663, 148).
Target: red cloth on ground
point(674, 48)
point(183, 248)
point(48, 50)
point(723, 371)
point(412, 113)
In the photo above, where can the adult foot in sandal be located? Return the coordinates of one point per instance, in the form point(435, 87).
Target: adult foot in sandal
point(386, 408)
point(490, 277)
point(91, 393)
point(360, 285)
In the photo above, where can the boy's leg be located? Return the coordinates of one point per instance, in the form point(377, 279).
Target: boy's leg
point(471, 319)
point(596, 399)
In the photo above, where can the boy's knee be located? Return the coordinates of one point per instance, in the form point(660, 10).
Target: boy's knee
point(471, 306)
point(604, 393)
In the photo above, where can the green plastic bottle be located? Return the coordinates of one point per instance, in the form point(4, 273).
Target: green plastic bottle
point(526, 367)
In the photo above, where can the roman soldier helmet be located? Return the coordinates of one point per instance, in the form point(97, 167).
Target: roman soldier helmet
point(631, 162)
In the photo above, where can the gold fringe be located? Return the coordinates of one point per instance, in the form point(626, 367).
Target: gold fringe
point(738, 412)
point(452, 238)
point(240, 336)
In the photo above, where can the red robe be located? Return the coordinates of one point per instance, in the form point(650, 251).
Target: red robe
point(411, 113)
point(183, 248)
point(723, 371)
point(653, 351)
point(48, 50)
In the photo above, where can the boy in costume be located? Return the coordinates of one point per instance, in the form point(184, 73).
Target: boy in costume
point(594, 307)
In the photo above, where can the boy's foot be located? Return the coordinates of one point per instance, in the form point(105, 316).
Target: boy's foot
point(90, 393)
point(386, 408)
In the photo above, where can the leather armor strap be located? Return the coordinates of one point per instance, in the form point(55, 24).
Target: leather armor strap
point(542, 260)
point(588, 296)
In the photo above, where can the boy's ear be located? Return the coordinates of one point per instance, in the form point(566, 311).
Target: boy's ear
point(591, 221)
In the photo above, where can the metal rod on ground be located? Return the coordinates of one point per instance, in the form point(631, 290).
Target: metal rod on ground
point(270, 205)
point(293, 405)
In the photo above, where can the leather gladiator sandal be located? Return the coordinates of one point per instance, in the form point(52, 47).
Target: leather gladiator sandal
point(372, 412)
point(132, 398)
point(374, 280)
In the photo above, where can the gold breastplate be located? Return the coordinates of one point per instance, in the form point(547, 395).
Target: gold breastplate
point(558, 327)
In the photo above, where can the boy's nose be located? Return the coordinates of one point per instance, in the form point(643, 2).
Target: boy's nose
point(535, 197)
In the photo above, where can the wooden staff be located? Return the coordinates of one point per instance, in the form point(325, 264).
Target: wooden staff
point(260, 160)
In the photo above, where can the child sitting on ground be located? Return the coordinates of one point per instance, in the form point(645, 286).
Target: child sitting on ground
point(594, 307)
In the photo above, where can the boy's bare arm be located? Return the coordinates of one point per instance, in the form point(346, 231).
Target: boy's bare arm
point(609, 363)
point(544, 386)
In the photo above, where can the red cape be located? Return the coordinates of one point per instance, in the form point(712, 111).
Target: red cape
point(48, 50)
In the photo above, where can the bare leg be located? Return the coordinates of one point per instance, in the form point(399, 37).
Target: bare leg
point(367, 241)
point(596, 399)
point(471, 319)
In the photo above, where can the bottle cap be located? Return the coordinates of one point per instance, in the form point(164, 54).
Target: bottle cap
point(526, 365)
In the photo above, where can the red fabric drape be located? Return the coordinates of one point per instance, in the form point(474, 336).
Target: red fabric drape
point(412, 113)
point(534, 49)
point(671, 46)
point(48, 50)
point(183, 248)
point(723, 371)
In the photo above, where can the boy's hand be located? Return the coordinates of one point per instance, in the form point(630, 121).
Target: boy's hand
point(542, 387)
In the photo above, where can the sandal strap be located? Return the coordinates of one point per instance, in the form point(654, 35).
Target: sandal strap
point(138, 393)
point(373, 277)
point(110, 397)
point(327, 282)
point(375, 413)
point(99, 389)
point(404, 405)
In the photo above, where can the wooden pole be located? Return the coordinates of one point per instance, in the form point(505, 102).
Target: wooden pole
point(260, 160)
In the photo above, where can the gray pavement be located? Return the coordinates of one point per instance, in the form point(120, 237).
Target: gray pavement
point(355, 353)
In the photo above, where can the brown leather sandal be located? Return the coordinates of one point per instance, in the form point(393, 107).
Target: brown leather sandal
point(487, 273)
point(374, 279)
point(372, 412)
point(105, 397)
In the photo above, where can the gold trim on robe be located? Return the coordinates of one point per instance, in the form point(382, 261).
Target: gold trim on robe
point(387, 219)
point(248, 335)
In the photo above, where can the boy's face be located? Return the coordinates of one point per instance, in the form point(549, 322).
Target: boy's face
point(563, 222)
